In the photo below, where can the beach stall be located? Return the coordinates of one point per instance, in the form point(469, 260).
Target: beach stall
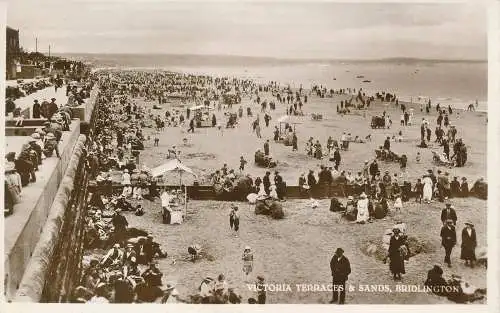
point(174, 203)
point(202, 115)
point(287, 126)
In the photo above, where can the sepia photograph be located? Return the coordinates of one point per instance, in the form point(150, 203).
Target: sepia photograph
point(246, 152)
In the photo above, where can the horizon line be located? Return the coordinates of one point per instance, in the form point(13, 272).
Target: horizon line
point(395, 58)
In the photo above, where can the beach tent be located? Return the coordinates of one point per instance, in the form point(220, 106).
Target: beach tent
point(287, 119)
point(171, 166)
point(177, 167)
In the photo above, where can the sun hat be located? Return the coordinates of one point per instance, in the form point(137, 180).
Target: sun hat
point(247, 248)
point(9, 166)
point(469, 223)
point(35, 136)
point(50, 136)
point(116, 245)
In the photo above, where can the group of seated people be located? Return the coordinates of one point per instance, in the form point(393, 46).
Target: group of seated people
point(119, 270)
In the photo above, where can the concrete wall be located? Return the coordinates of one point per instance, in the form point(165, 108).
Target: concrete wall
point(34, 279)
point(23, 228)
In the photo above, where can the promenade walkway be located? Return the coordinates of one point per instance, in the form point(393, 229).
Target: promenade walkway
point(47, 94)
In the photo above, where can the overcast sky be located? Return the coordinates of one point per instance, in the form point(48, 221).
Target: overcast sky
point(286, 30)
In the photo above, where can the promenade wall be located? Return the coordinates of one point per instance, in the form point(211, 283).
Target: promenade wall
point(43, 223)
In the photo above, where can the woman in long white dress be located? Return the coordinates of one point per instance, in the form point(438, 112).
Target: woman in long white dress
point(362, 206)
point(427, 181)
point(262, 191)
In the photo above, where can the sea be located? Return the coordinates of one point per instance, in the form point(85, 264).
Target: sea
point(448, 82)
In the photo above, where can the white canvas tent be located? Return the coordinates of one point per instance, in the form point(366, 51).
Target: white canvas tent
point(177, 167)
point(171, 166)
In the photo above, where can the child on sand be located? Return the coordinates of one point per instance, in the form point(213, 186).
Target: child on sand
point(247, 262)
point(418, 158)
point(234, 220)
point(242, 163)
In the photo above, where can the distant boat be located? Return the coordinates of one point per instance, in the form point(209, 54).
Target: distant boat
point(360, 76)
point(334, 78)
point(367, 81)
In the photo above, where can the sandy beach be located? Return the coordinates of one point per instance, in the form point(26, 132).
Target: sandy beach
point(297, 250)
point(204, 156)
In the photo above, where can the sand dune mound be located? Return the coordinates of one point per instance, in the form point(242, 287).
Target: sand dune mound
point(377, 250)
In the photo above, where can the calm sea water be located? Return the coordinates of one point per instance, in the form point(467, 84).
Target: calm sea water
point(454, 83)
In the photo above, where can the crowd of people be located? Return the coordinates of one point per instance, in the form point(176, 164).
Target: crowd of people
point(21, 166)
point(126, 273)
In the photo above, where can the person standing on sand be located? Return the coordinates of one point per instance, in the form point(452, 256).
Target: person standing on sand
point(448, 240)
point(398, 251)
point(427, 189)
point(340, 268)
point(243, 162)
point(234, 220)
point(294, 142)
point(257, 130)
point(247, 262)
point(266, 147)
point(36, 109)
point(469, 243)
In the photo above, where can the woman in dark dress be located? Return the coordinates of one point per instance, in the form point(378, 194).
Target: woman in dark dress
point(36, 109)
point(464, 188)
point(469, 243)
point(398, 250)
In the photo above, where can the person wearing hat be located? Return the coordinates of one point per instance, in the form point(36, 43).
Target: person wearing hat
point(13, 186)
point(374, 170)
point(247, 262)
point(170, 294)
point(469, 244)
point(50, 144)
point(101, 294)
point(340, 268)
point(362, 207)
point(448, 213)
point(113, 257)
point(120, 225)
point(454, 188)
point(36, 109)
point(266, 180)
point(125, 177)
point(427, 188)
point(435, 280)
point(234, 220)
point(33, 142)
point(448, 240)
point(398, 250)
point(45, 110)
point(130, 261)
point(337, 158)
point(464, 188)
point(261, 290)
point(149, 249)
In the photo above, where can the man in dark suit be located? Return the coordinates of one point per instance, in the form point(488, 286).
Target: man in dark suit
point(448, 240)
point(266, 147)
point(448, 213)
point(341, 268)
point(336, 158)
point(267, 182)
